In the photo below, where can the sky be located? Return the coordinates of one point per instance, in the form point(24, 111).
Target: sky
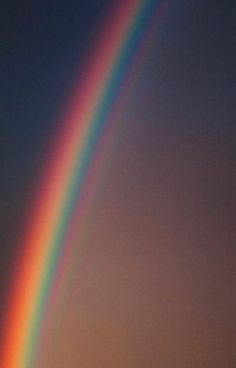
point(153, 282)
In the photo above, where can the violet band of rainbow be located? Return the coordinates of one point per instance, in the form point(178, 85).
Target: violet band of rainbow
point(67, 175)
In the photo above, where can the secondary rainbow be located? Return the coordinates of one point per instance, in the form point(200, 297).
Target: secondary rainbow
point(60, 201)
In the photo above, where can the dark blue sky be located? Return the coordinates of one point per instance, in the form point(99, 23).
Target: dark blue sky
point(42, 46)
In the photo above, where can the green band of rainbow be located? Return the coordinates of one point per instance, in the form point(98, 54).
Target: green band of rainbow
point(66, 176)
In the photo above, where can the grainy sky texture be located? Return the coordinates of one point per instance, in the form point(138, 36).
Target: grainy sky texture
point(152, 284)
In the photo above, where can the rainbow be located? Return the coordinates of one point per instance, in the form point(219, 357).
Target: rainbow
point(60, 206)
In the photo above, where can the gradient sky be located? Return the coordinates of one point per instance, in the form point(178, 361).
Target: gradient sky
point(153, 283)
